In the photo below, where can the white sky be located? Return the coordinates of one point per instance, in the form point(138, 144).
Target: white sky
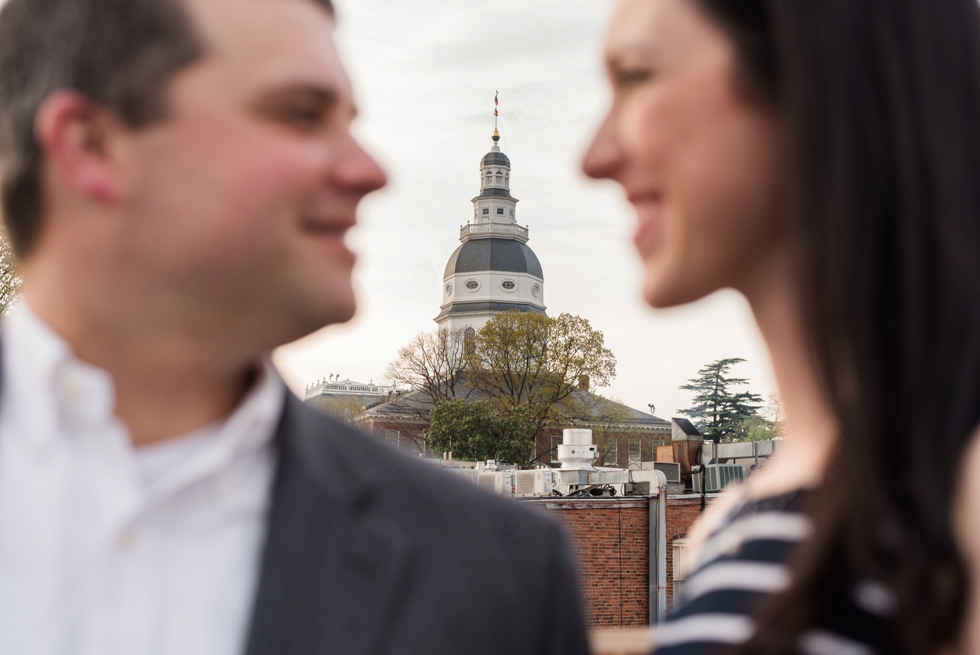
point(425, 73)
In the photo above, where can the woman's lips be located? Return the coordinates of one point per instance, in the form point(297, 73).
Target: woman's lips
point(649, 210)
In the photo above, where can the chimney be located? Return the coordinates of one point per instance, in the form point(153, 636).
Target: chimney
point(583, 382)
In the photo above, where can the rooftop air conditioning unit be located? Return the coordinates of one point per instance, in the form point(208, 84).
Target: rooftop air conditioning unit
point(534, 483)
point(717, 476)
point(500, 483)
point(524, 483)
point(488, 481)
point(671, 470)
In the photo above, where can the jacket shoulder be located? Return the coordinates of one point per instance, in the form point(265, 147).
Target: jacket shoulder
point(420, 486)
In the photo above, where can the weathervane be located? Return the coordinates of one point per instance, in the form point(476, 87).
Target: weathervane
point(496, 113)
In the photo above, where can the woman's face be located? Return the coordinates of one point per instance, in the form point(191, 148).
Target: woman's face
point(700, 159)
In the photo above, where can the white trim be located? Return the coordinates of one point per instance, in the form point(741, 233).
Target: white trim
point(710, 628)
point(776, 526)
point(742, 576)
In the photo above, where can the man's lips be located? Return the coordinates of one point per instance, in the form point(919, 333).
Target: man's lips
point(327, 226)
point(330, 233)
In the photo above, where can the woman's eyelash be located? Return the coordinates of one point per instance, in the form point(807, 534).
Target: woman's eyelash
point(633, 77)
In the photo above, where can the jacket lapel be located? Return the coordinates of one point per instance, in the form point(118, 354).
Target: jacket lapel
point(333, 570)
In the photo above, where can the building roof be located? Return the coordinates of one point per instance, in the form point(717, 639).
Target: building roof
point(503, 255)
point(416, 405)
point(495, 192)
point(495, 159)
point(686, 426)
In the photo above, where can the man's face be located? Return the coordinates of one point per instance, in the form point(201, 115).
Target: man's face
point(241, 198)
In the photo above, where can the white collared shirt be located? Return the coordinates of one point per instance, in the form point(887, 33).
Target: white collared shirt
point(106, 549)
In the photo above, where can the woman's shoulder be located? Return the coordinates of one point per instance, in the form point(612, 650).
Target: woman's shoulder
point(733, 512)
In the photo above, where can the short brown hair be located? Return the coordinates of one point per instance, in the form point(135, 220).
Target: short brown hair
point(119, 53)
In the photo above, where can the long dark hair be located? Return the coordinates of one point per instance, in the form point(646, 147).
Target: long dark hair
point(882, 102)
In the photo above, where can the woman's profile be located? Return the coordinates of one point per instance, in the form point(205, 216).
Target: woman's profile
point(822, 157)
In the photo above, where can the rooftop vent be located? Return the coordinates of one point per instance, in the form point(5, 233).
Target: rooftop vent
point(576, 450)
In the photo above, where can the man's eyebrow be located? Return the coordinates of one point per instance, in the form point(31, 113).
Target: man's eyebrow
point(303, 90)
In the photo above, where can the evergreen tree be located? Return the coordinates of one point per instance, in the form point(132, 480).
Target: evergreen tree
point(719, 411)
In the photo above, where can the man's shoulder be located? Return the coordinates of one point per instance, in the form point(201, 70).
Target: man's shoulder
point(411, 487)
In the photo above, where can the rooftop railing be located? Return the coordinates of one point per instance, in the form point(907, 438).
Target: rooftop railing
point(487, 230)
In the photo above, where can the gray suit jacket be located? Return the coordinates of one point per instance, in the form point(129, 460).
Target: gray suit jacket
point(372, 552)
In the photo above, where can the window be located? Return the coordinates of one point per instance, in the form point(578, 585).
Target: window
point(512, 213)
point(634, 451)
point(486, 211)
point(611, 456)
point(556, 441)
point(392, 437)
point(536, 290)
point(472, 285)
point(680, 565)
point(420, 443)
point(508, 285)
point(469, 334)
point(500, 211)
point(449, 289)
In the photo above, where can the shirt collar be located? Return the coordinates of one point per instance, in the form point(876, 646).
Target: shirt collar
point(55, 389)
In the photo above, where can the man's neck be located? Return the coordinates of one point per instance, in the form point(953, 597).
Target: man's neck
point(166, 385)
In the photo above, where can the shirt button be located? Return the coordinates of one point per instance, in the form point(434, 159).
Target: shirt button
point(127, 540)
point(73, 388)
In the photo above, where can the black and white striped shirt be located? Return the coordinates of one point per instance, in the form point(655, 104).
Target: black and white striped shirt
point(744, 560)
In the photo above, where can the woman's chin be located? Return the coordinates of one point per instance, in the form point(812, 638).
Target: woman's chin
point(663, 291)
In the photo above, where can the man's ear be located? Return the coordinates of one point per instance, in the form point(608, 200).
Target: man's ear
point(76, 136)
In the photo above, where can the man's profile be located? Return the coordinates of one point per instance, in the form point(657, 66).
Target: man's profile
point(178, 177)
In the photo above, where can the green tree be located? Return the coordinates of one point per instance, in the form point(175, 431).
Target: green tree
point(472, 431)
point(755, 428)
point(718, 410)
point(531, 361)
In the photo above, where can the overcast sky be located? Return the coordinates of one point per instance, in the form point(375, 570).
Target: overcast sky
point(425, 73)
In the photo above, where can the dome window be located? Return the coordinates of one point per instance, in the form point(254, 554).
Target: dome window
point(449, 289)
point(500, 211)
point(536, 290)
point(508, 285)
point(486, 211)
point(472, 285)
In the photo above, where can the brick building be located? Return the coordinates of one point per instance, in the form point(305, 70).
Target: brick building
point(611, 538)
point(624, 435)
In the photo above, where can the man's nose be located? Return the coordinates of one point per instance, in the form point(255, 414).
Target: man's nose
point(358, 171)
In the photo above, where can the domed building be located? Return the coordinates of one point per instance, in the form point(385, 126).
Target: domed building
point(494, 270)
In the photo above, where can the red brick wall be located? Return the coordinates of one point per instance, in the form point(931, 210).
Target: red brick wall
point(610, 538)
point(681, 515)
